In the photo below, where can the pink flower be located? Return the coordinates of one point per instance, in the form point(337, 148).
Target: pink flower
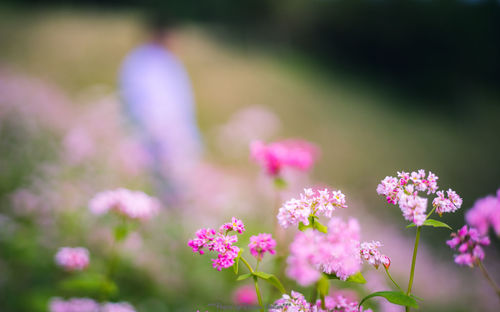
point(289, 153)
point(131, 204)
point(117, 307)
point(485, 213)
point(311, 203)
point(294, 303)
point(338, 303)
point(337, 252)
point(404, 191)
point(72, 259)
point(450, 204)
point(73, 305)
point(245, 296)
point(370, 253)
point(469, 243)
point(260, 244)
point(220, 242)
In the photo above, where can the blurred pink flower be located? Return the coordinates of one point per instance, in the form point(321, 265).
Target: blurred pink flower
point(338, 303)
point(319, 202)
point(131, 204)
point(485, 213)
point(336, 252)
point(73, 305)
point(78, 145)
point(469, 243)
point(117, 307)
point(333, 303)
point(72, 259)
point(245, 295)
point(288, 153)
point(294, 303)
point(260, 244)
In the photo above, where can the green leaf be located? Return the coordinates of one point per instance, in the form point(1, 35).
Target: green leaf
point(303, 227)
point(88, 284)
point(320, 227)
point(433, 223)
point(271, 279)
point(395, 297)
point(323, 286)
point(280, 183)
point(355, 278)
point(243, 276)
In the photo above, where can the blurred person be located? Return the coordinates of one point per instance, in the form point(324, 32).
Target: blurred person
point(159, 102)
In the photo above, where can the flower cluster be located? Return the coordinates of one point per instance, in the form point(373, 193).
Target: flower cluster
point(87, 305)
point(220, 242)
point(485, 213)
point(131, 204)
point(370, 253)
point(288, 153)
point(72, 259)
point(297, 303)
point(311, 203)
point(260, 244)
point(404, 192)
point(336, 253)
point(469, 243)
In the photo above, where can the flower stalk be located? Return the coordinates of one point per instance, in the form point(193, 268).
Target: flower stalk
point(414, 259)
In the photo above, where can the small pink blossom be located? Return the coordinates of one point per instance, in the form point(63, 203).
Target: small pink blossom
point(72, 259)
point(220, 242)
point(470, 246)
point(336, 252)
point(291, 303)
point(485, 213)
point(273, 157)
point(310, 203)
point(370, 253)
point(131, 204)
point(260, 244)
point(73, 305)
point(338, 303)
point(245, 296)
point(404, 191)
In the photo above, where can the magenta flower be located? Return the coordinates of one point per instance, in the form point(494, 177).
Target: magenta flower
point(220, 242)
point(404, 191)
point(72, 259)
point(470, 246)
point(336, 252)
point(273, 157)
point(370, 253)
point(311, 203)
point(485, 213)
point(260, 244)
point(131, 204)
point(245, 296)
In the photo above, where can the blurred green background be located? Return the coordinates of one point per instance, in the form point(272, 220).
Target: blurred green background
point(379, 86)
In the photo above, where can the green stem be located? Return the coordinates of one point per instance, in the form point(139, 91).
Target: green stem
point(390, 277)
point(412, 272)
point(257, 290)
point(488, 277)
point(433, 208)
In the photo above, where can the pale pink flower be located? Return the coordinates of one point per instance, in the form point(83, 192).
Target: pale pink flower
point(338, 303)
point(245, 296)
point(370, 253)
point(72, 259)
point(485, 213)
point(117, 307)
point(220, 242)
point(404, 191)
point(470, 246)
point(311, 203)
point(336, 252)
point(260, 244)
point(73, 305)
point(291, 303)
point(131, 204)
point(273, 157)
